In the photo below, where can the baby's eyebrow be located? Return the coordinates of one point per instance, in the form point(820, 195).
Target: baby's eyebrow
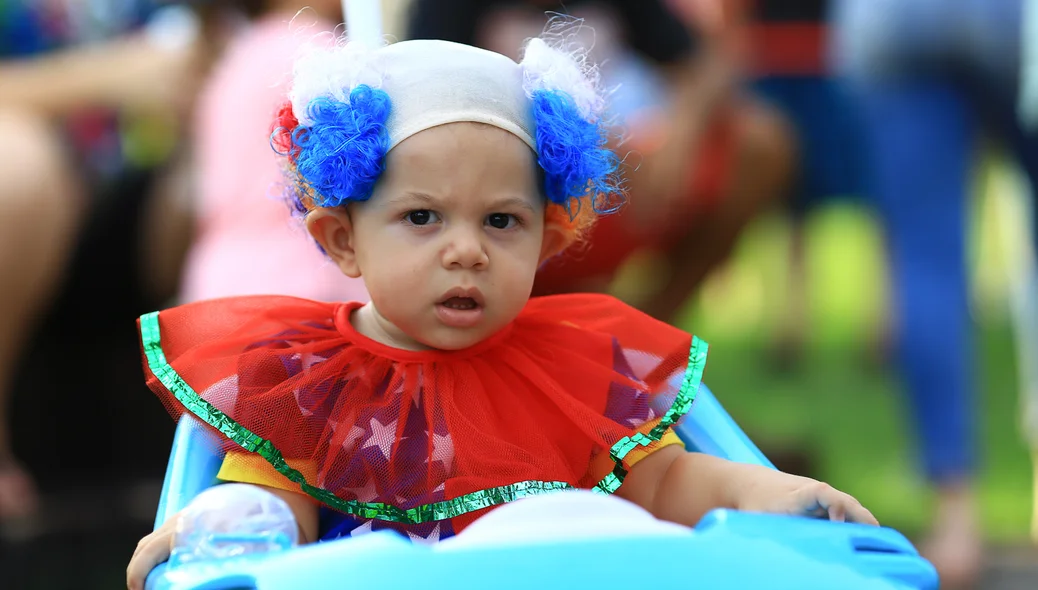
point(513, 202)
point(412, 198)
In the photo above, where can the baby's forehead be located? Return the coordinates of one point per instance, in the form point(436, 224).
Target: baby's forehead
point(463, 165)
point(503, 200)
point(460, 147)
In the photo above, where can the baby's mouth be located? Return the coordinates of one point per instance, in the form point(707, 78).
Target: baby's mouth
point(460, 303)
point(461, 308)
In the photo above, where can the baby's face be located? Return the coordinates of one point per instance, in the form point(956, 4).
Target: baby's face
point(450, 241)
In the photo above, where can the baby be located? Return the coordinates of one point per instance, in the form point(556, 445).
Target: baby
point(444, 176)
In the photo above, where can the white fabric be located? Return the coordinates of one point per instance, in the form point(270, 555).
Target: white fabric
point(546, 67)
point(432, 83)
point(562, 516)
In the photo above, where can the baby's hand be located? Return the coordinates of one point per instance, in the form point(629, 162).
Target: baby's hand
point(151, 551)
point(782, 493)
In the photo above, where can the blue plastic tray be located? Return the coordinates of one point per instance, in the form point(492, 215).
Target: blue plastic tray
point(727, 550)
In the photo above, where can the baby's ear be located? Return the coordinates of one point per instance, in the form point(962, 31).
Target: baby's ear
point(556, 239)
point(333, 230)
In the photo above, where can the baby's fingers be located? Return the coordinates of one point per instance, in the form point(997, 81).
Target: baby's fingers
point(857, 513)
point(151, 551)
point(842, 507)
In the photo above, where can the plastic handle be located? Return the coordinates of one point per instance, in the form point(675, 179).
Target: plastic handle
point(363, 21)
point(279, 539)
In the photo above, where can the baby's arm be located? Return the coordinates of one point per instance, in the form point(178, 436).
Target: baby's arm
point(681, 487)
point(155, 548)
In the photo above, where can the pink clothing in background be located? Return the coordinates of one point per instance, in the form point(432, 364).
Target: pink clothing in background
point(248, 242)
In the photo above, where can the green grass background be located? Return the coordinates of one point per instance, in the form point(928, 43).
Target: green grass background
point(841, 402)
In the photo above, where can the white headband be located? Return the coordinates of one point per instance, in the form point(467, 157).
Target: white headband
point(433, 83)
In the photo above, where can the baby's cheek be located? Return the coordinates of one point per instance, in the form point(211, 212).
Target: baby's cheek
point(521, 271)
point(513, 293)
point(404, 289)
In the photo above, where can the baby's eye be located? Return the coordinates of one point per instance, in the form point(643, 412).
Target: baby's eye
point(421, 217)
point(502, 220)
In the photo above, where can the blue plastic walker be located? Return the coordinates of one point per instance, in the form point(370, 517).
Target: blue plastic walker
point(727, 550)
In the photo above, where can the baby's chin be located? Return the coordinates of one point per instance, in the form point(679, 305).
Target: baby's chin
point(458, 340)
point(425, 333)
point(449, 339)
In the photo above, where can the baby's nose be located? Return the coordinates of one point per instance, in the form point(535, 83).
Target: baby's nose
point(465, 250)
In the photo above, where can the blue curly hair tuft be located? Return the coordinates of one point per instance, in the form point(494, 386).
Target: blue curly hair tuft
point(572, 152)
point(340, 156)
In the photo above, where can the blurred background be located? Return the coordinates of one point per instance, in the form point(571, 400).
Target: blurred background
point(837, 195)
